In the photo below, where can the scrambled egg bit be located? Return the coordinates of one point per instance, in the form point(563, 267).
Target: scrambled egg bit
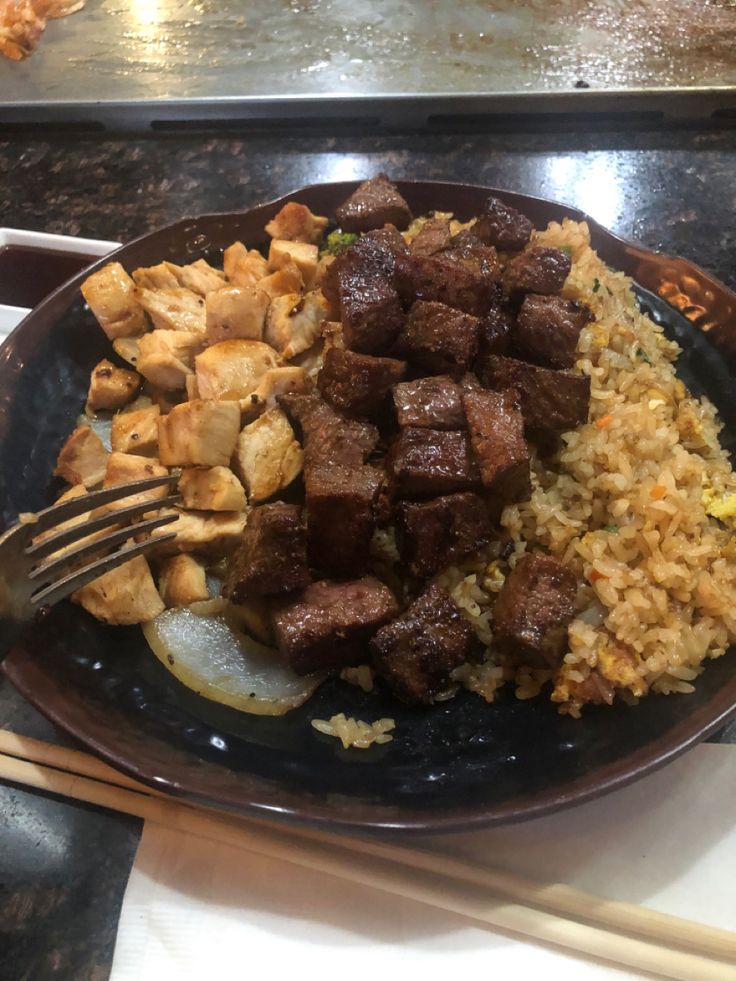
point(720, 506)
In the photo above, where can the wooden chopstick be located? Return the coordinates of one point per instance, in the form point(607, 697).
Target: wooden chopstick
point(448, 884)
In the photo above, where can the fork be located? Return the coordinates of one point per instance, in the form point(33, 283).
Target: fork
point(28, 584)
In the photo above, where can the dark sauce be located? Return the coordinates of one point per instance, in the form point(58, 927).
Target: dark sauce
point(29, 274)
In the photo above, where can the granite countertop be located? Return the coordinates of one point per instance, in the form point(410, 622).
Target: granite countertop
point(63, 867)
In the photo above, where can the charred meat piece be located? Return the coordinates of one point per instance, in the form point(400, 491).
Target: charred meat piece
point(374, 204)
point(358, 383)
point(416, 653)
point(341, 504)
point(537, 270)
point(467, 250)
point(503, 226)
point(496, 331)
point(328, 625)
point(272, 557)
point(551, 401)
point(533, 610)
point(548, 329)
point(429, 403)
point(438, 339)
point(432, 237)
point(447, 280)
point(496, 428)
point(424, 463)
point(370, 308)
point(328, 437)
point(438, 532)
point(377, 249)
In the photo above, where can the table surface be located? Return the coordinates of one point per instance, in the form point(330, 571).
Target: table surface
point(63, 867)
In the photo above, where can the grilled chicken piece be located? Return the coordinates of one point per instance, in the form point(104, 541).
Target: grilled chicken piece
point(268, 456)
point(160, 277)
point(167, 357)
point(294, 321)
point(276, 381)
point(111, 387)
point(236, 311)
point(296, 223)
point(304, 255)
point(288, 279)
point(82, 459)
point(125, 595)
point(136, 431)
point(202, 433)
point(111, 295)
point(213, 489)
point(233, 369)
point(122, 468)
point(243, 267)
point(128, 349)
point(78, 490)
point(211, 534)
point(199, 276)
point(182, 581)
point(173, 309)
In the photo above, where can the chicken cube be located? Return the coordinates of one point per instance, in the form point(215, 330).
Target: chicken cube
point(214, 489)
point(276, 381)
point(174, 309)
point(125, 595)
point(233, 369)
point(128, 349)
point(160, 277)
point(244, 267)
point(123, 468)
point(294, 322)
point(167, 357)
point(304, 255)
point(78, 490)
point(288, 279)
point(296, 223)
point(268, 456)
point(202, 433)
point(82, 459)
point(213, 535)
point(111, 387)
point(136, 432)
point(236, 311)
point(111, 295)
point(182, 581)
point(199, 276)
point(191, 388)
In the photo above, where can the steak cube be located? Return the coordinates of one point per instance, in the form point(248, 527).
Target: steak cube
point(416, 653)
point(341, 517)
point(370, 310)
point(467, 250)
point(503, 226)
point(551, 401)
point(358, 383)
point(496, 331)
point(428, 462)
point(432, 237)
point(438, 532)
point(272, 557)
point(374, 204)
point(548, 330)
point(429, 403)
point(375, 251)
point(441, 278)
point(533, 610)
point(496, 428)
point(328, 437)
point(438, 339)
point(328, 625)
point(537, 270)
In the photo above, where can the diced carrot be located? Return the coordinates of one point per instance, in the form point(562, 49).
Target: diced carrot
point(595, 575)
point(604, 421)
point(658, 492)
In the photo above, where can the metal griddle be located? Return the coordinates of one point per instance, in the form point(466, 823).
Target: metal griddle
point(161, 63)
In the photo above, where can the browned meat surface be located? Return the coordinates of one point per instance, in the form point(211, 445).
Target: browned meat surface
point(328, 437)
point(416, 653)
point(272, 557)
point(375, 203)
point(370, 309)
point(429, 403)
point(328, 625)
point(467, 250)
point(427, 462)
point(433, 236)
point(496, 429)
point(548, 329)
point(533, 610)
point(503, 226)
point(438, 532)
point(537, 270)
point(551, 401)
point(440, 277)
point(341, 504)
point(437, 339)
point(496, 331)
point(358, 383)
point(377, 249)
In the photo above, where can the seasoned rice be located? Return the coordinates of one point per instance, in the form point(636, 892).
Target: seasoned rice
point(354, 732)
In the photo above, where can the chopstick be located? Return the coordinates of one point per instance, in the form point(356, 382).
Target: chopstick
point(445, 883)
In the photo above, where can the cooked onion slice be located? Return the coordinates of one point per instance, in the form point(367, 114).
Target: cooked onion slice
point(206, 653)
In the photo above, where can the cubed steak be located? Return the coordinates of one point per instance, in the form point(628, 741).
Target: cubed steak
point(432, 237)
point(272, 556)
point(434, 534)
point(439, 340)
point(370, 309)
point(533, 610)
point(495, 330)
point(551, 401)
point(425, 463)
point(467, 250)
point(341, 504)
point(377, 250)
point(374, 204)
point(328, 437)
point(548, 329)
point(503, 226)
point(358, 384)
point(328, 625)
point(442, 278)
point(496, 428)
point(429, 403)
point(537, 269)
point(416, 653)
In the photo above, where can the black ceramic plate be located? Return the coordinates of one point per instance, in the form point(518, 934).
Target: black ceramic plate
point(459, 764)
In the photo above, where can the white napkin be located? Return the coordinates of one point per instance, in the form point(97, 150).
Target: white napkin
point(198, 910)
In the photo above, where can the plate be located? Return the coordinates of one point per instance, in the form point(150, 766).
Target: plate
point(461, 764)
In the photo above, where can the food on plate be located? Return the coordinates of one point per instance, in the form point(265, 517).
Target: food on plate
point(22, 22)
point(431, 452)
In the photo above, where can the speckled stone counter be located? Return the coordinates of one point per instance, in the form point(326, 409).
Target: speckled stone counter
point(63, 867)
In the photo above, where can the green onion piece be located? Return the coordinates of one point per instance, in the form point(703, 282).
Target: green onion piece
point(641, 353)
point(337, 241)
point(612, 529)
point(596, 284)
point(567, 249)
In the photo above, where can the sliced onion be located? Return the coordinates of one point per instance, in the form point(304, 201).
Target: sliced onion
point(101, 425)
point(200, 646)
